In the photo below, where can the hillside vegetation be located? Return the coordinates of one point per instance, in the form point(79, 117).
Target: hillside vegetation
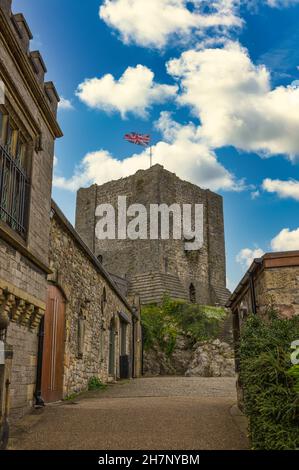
point(164, 324)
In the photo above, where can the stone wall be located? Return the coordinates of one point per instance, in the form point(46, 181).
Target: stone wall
point(282, 290)
point(212, 358)
point(23, 378)
point(18, 270)
point(277, 287)
point(28, 104)
point(31, 105)
point(83, 281)
point(204, 268)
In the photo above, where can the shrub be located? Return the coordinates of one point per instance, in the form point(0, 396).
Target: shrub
point(163, 324)
point(270, 384)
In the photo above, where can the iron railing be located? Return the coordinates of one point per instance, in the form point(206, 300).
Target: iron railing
point(14, 192)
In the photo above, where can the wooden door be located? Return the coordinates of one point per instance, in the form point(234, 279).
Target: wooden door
point(53, 350)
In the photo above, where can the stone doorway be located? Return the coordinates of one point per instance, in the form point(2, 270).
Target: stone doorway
point(53, 346)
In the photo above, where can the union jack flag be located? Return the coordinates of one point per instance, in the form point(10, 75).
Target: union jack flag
point(138, 139)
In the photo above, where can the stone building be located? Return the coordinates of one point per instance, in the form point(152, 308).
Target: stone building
point(98, 332)
point(28, 129)
point(271, 281)
point(63, 320)
point(153, 268)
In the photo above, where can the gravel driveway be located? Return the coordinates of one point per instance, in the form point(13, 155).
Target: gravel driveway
point(172, 413)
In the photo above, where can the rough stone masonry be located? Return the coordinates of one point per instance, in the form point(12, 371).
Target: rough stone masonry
point(154, 268)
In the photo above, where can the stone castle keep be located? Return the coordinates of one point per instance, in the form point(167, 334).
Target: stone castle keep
point(154, 268)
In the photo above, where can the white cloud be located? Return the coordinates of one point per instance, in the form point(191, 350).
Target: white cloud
point(281, 3)
point(135, 92)
point(247, 256)
point(152, 23)
point(235, 103)
point(284, 189)
point(255, 195)
point(65, 104)
point(182, 152)
point(286, 240)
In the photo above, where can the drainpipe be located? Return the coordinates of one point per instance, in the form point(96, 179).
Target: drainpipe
point(134, 322)
point(39, 402)
point(133, 348)
point(252, 288)
point(252, 293)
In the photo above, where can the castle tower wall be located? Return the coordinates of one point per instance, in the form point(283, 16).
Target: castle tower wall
point(158, 267)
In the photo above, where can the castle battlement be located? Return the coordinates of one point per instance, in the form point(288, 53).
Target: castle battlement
point(33, 62)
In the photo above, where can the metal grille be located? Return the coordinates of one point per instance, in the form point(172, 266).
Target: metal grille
point(14, 190)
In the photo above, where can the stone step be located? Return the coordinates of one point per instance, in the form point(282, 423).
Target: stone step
point(222, 294)
point(226, 333)
point(153, 286)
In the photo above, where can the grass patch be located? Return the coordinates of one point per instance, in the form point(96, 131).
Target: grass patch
point(95, 383)
point(72, 396)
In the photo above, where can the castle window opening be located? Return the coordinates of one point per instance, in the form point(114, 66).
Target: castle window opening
point(104, 295)
point(192, 294)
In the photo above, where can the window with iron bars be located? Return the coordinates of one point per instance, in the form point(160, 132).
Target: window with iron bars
point(14, 181)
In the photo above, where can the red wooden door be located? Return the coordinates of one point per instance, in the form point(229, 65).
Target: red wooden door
point(53, 351)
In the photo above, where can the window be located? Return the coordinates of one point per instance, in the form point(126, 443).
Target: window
point(21, 151)
point(9, 138)
point(192, 294)
point(104, 295)
point(103, 299)
point(81, 335)
point(14, 182)
point(123, 339)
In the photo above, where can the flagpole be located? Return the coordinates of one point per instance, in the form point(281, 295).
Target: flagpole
point(151, 156)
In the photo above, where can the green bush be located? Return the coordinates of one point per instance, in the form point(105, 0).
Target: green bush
point(269, 381)
point(162, 324)
point(95, 383)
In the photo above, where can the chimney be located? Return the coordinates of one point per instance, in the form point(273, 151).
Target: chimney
point(38, 65)
point(5, 5)
point(52, 96)
point(26, 34)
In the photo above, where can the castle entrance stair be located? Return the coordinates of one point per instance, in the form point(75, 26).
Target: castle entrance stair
point(153, 286)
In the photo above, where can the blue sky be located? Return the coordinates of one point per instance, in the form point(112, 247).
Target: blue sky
point(222, 103)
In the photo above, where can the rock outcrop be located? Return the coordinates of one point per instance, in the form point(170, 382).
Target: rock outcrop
point(204, 359)
point(212, 359)
point(157, 362)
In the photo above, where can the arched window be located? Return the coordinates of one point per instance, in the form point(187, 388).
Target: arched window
point(103, 299)
point(100, 259)
point(192, 294)
point(104, 295)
